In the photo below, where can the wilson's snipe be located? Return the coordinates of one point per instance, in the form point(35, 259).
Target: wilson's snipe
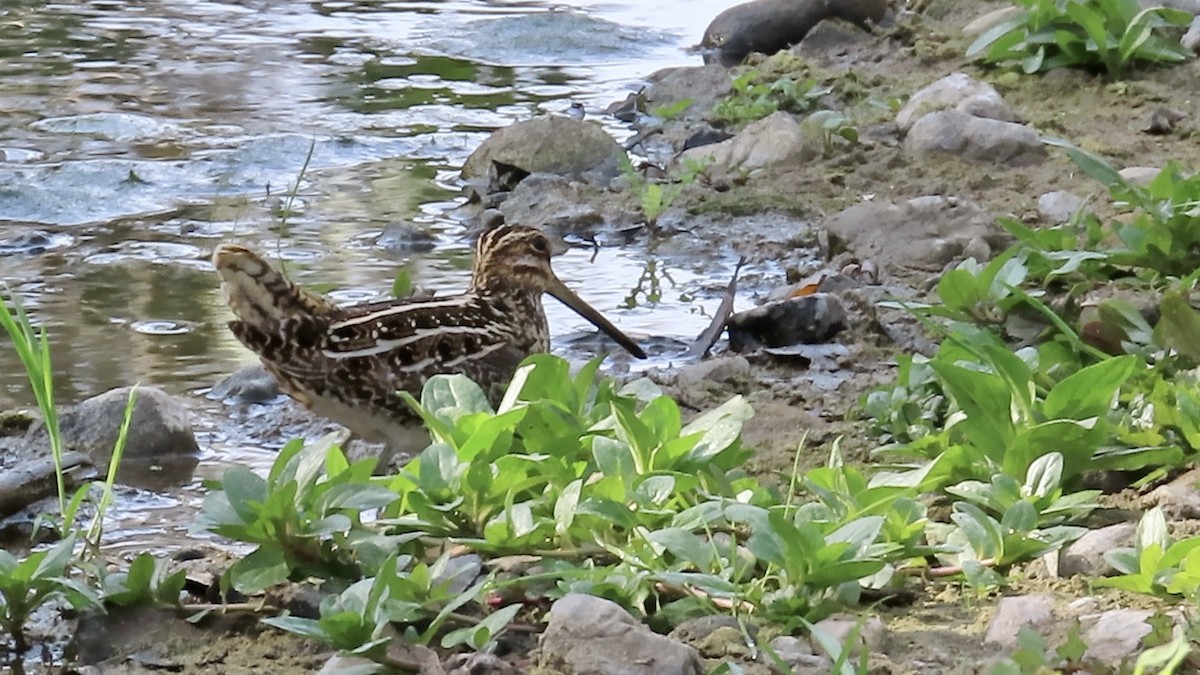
point(346, 363)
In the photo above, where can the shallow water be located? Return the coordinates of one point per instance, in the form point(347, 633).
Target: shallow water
point(135, 136)
point(138, 135)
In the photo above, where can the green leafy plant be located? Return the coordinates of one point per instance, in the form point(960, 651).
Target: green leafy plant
point(1108, 35)
point(148, 581)
point(33, 349)
point(1156, 565)
point(303, 516)
point(752, 99)
point(655, 197)
point(29, 583)
point(830, 125)
point(673, 110)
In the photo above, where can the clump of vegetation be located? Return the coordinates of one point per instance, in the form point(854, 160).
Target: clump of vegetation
point(655, 197)
point(753, 99)
point(66, 572)
point(1106, 35)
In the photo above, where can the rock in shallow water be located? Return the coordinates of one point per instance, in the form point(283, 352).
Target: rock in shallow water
point(160, 448)
point(595, 636)
point(251, 384)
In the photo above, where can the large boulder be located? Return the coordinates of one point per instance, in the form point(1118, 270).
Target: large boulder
point(562, 146)
point(768, 26)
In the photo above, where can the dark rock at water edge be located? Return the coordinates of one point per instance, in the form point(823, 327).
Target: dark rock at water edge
point(33, 479)
point(556, 145)
point(768, 26)
point(405, 237)
point(806, 320)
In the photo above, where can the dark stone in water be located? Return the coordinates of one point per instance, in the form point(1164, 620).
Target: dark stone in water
point(252, 384)
point(405, 237)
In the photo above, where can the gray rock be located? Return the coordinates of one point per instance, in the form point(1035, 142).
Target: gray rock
point(701, 627)
point(702, 85)
point(1015, 613)
point(490, 218)
point(775, 140)
point(160, 427)
point(250, 384)
point(1081, 607)
point(805, 320)
point(34, 242)
point(1179, 499)
point(1139, 175)
point(957, 91)
point(719, 369)
point(1191, 39)
point(557, 145)
point(925, 233)
point(478, 664)
point(595, 636)
point(553, 204)
point(977, 138)
point(1085, 556)
point(798, 655)
point(872, 635)
point(1059, 206)
point(1116, 635)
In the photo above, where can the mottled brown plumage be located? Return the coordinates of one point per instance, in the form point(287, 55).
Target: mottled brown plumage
point(346, 363)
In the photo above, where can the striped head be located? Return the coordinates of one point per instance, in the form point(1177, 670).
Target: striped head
point(512, 258)
point(515, 258)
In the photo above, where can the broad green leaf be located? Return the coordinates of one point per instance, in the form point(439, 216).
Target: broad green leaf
point(1152, 530)
point(985, 399)
point(1179, 327)
point(357, 497)
point(685, 546)
point(246, 492)
point(262, 569)
point(1090, 391)
point(1044, 475)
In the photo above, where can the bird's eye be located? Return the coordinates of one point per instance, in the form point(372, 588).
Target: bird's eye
point(540, 245)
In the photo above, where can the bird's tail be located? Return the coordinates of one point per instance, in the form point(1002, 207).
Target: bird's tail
point(260, 295)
